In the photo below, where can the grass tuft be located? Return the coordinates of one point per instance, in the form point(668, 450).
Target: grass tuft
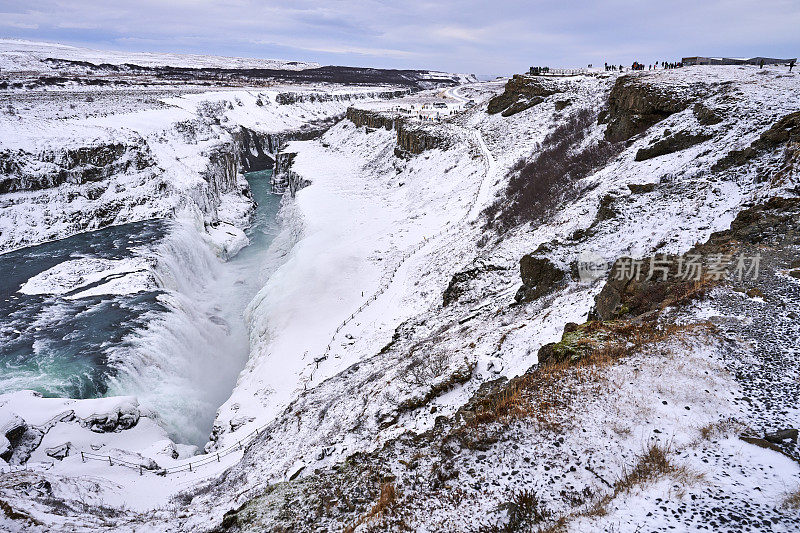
point(792, 500)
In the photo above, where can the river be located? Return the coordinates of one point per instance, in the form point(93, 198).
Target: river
point(144, 309)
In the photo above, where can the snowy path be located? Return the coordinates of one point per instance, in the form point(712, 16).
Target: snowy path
point(452, 92)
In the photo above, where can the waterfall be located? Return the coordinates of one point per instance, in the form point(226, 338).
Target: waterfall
point(185, 362)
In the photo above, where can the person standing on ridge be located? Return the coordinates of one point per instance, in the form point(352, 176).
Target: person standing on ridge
point(791, 65)
point(761, 64)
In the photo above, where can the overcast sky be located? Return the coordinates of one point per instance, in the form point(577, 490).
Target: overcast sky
point(490, 37)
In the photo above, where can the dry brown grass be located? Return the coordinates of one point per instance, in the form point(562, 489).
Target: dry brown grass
point(547, 392)
point(559, 526)
point(387, 499)
point(692, 290)
point(792, 500)
point(653, 464)
point(720, 428)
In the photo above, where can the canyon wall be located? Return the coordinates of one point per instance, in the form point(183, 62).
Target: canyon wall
point(412, 138)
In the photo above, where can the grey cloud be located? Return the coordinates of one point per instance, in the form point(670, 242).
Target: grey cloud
point(502, 36)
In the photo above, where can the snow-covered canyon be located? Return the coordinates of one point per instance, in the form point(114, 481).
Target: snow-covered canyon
point(146, 311)
point(382, 331)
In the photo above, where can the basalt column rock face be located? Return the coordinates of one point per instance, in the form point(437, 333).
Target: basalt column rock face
point(415, 139)
point(370, 119)
point(411, 138)
point(257, 150)
point(24, 171)
point(222, 170)
point(284, 178)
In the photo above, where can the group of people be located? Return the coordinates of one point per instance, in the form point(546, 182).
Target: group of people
point(539, 70)
point(640, 66)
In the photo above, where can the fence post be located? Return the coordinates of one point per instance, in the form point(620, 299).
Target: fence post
point(109, 461)
point(190, 467)
point(140, 470)
point(83, 459)
point(217, 456)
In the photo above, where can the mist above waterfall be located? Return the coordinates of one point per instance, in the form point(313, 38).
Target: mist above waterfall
point(185, 362)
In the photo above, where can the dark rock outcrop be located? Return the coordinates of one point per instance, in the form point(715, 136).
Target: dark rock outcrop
point(10, 433)
point(784, 132)
point(572, 347)
point(606, 211)
point(522, 92)
point(776, 221)
point(18, 440)
point(463, 282)
point(370, 119)
point(636, 294)
point(256, 151)
point(411, 138)
point(221, 173)
point(707, 116)
point(641, 188)
point(415, 139)
point(284, 177)
point(112, 422)
point(521, 105)
point(631, 291)
point(778, 437)
point(634, 105)
point(539, 277)
point(562, 104)
point(671, 144)
point(259, 151)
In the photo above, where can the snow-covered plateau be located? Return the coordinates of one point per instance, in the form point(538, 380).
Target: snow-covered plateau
point(407, 338)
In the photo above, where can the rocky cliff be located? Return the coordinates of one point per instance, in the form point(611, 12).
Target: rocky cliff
point(370, 119)
point(21, 170)
point(634, 106)
point(415, 138)
point(287, 98)
point(523, 92)
point(283, 177)
point(412, 137)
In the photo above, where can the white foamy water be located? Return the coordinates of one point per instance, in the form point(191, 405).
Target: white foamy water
point(185, 362)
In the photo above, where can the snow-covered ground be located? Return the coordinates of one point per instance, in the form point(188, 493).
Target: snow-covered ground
point(352, 350)
point(22, 55)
